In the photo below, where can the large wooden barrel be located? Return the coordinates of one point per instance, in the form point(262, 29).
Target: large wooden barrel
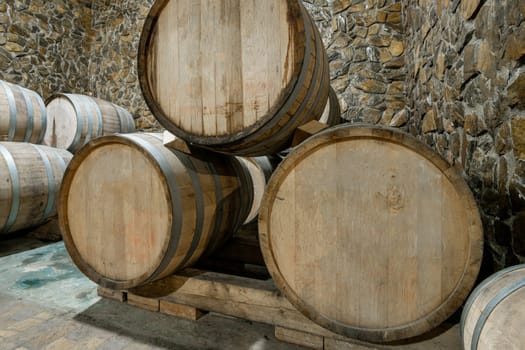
point(30, 181)
point(233, 75)
point(74, 120)
point(494, 314)
point(23, 114)
point(370, 233)
point(132, 211)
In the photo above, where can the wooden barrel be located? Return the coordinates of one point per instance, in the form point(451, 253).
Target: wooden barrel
point(23, 114)
point(494, 314)
point(332, 111)
point(236, 76)
point(260, 170)
point(74, 120)
point(132, 211)
point(370, 233)
point(30, 180)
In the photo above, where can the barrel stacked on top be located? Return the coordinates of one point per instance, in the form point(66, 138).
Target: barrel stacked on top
point(350, 231)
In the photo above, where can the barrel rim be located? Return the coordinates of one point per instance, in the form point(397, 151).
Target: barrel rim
point(142, 69)
point(63, 220)
point(361, 131)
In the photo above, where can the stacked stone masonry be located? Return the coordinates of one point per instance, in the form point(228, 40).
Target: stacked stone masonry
point(450, 72)
point(466, 98)
point(44, 45)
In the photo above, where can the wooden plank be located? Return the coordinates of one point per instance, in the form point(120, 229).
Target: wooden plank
point(112, 294)
point(246, 298)
point(149, 304)
point(336, 344)
point(182, 311)
point(308, 340)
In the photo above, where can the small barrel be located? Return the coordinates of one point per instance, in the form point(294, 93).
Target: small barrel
point(332, 112)
point(74, 120)
point(23, 114)
point(494, 314)
point(370, 233)
point(30, 181)
point(235, 76)
point(133, 211)
point(260, 170)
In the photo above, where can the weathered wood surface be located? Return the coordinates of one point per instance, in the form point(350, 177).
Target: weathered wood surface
point(236, 75)
point(23, 114)
point(30, 178)
point(494, 315)
point(370, 233)
point(132, 210)
point(74, 120)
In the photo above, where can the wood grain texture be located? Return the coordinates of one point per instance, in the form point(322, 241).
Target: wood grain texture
point(496, 312)
point(232, 73)
point(332, 111)
point(30, 177)
point(132, 210)
point(370, 233)
point(259, 169)
point(292, 336)
point(23, 114)
point(74, 120)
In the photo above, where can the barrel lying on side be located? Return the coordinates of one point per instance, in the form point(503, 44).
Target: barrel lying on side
point(332, 111)
point(23, 114)
point(74, 120)
point(260, 170)
point(30, 181)
point(132, 211)
point(235, 76)
point(494, 314)
point(370, 233)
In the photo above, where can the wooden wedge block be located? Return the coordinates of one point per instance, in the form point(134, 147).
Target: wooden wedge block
point(112, 294)
point(182, 311)
point(149, 304)
point(305, 131)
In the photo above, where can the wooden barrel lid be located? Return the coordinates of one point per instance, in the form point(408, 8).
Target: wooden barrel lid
point(220, 68)
point(370, 233)
point(115, 211)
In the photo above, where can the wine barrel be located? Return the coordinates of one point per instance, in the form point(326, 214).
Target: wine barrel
point(132, 211)
point(260, 170)
point(494, 314)
point(73, 120)
point(30, 180)
point(24, 114)
point(235, 76)
point(370, 233)
point(332, 111)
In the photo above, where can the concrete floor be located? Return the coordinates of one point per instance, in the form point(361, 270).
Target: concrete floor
point(46, 303)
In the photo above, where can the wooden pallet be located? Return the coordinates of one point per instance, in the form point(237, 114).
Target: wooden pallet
point(192, 293)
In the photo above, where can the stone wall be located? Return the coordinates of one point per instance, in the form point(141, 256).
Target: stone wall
point(113, 64)
point(466, 93)
point(364, 41)
point(43, 44)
